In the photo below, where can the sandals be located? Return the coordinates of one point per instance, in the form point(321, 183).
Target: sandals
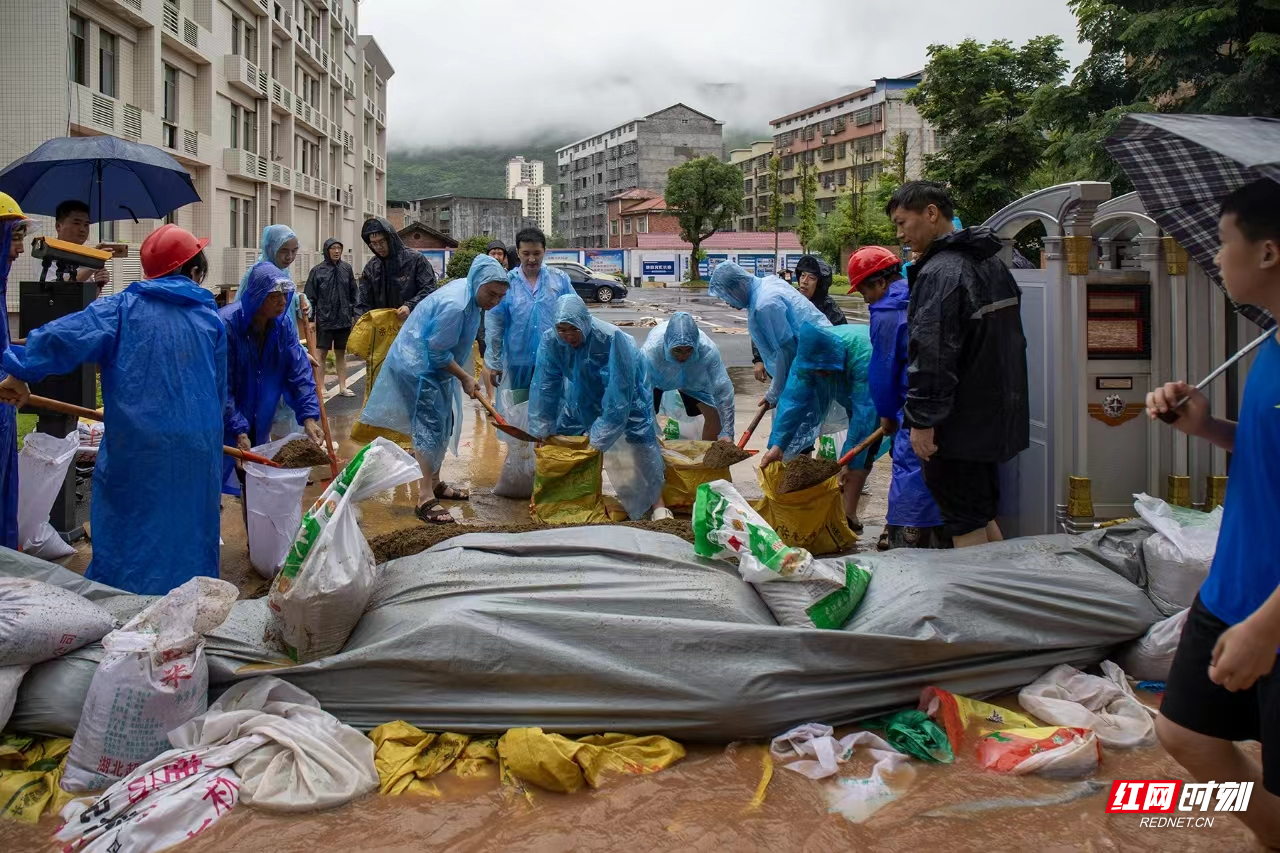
point(432, 512)
point(445, 492)
point(346, 392)
point(854, 524)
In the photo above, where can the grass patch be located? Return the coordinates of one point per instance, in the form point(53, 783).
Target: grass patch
point(26, 426)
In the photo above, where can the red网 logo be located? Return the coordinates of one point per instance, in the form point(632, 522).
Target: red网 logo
point(1162, 796)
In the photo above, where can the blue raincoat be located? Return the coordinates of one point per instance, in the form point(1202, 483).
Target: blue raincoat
point(843, 354)
point(775, 313)
point(8, 414)
point(273, 237)
point(600, 389)
point(261, 372)
point(910, 504)
point(702, 376)
point(163, 357)
point(513, 331)
point(415, 394)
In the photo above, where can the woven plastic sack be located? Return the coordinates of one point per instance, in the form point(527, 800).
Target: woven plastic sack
point(684, 472)
point(568, 482)
point(39, 621)
point(674, 422)
point(1058, 752)
point(1180, 553)
point(273, 498)
point(811, 518)
point(42, 469)
point(516, 477)
point(1149, 657)
point(1065, 696)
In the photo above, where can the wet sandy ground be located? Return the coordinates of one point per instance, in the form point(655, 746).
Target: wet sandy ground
point(700, 803)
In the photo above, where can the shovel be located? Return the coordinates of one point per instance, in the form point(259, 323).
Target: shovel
point(866, 442)
point(755, 422)
point(318, 371)
point(49, 405)
point(500, 423)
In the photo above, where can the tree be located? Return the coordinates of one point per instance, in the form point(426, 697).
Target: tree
point(706, 195)
point(775, 202)
point(468, 249)
point(807, 230)
point(555, 240)
point(977, 97)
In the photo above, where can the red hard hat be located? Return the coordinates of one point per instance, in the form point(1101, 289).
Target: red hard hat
point(868, 261)
point(167, 248)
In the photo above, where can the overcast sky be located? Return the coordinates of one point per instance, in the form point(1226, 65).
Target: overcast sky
point(498, 71)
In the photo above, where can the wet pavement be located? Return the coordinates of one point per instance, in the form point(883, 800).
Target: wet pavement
point(703, 801)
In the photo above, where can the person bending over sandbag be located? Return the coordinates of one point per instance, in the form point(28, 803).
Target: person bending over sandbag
point(163, 355)
point(831, 368)
point(265, 363)
point(419, 391)
point(678, 356)
point(590, 380)
point(775, 313)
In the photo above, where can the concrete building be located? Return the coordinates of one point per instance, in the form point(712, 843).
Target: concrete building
point(846, 141)
point(525, 182)
point(636, 154)
point(277, 108)
point(459, 217)
point(636, 212)
point(757, 191)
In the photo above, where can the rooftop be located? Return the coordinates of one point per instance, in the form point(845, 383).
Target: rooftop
point(439, 235)
point(880, 83)
point(623, 124)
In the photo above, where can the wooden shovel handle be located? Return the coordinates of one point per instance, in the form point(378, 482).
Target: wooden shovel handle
point(50, 405)
point(488, 407)
point(755, 422)
point(865, 443)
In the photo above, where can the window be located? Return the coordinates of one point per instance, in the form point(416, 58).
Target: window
point(237, 34)
point(107, 231)
point(170, 106)
point(842, 148)
point(788, 210)
point(626, 225)
point(76, 49)
point(275, 63)
point(235, 125)
point(613, 227)
point(107, 63)
point(234, 209)
point(642, 225)
point(275, 144)
point(250, 124)
point(747, 187)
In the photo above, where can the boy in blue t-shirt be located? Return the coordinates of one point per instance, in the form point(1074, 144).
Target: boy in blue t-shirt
point(1224, 684)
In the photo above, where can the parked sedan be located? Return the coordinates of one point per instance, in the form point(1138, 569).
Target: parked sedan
point(588, 285)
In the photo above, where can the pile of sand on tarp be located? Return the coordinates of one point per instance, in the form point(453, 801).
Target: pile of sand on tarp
point(415, 540)
point(804, 471)
point(722, 454)
point(300, 453)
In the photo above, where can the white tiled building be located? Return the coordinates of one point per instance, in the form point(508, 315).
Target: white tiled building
point(525, 182)
point(277, 108)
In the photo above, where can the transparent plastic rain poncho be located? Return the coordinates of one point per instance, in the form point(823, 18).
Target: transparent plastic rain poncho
point(513, 331)
point(600, 389)
point(775, 313)
point(702, 376)
point(273, 237)
point(831, 368)
point(415, 394)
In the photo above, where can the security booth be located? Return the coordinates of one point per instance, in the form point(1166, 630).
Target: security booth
point(1115, 309)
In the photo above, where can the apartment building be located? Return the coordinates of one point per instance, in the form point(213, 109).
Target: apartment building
point(757, 190)
point(277, 108)
point(525, 182)
point(459, 217)
point(638, 153)
point(846, 141)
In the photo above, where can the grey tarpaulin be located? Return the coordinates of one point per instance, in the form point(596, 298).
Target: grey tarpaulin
point(614, 629)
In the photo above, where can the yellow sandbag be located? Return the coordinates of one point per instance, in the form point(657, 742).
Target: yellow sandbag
point(30, 769)
point(811, 518)
point(684, 472)
point(957, 713)
point(371, 339)
point(558, 764)
point(567, 482)
point(406, 757)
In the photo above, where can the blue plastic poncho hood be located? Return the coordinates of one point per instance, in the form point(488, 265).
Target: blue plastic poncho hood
point(702, 376)
point(733, 284)
point(415, 395)
point(819, 349)
point(259, 282)
point(600, 389)
point(273, 237)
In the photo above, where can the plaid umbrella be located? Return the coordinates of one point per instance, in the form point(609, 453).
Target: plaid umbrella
point(1183, 165)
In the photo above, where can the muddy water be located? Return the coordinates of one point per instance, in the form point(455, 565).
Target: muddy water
point(702, 804)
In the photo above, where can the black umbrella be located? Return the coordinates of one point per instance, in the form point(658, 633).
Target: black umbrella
point(1183, 165)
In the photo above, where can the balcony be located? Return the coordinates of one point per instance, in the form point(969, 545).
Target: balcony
point(131, 10)
point(348, 86)
point(308, 114)
point(349, 31)
point(381, 119)
point(348, 143)
point(348, 200)
point(185, 35)
point(282, 20)
point(281, 176)
point(369, 207)
point(281, 97)
point(368, 156)
point(244, 75)
point(309, 186)
point(245, 164)
point(380, 164)
point(382, 210)
point(370, 109)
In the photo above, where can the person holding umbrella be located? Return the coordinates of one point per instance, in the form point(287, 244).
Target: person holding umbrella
point(163, 354)
point(13, 228)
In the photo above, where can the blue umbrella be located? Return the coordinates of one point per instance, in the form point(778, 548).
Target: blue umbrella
point(117, 179)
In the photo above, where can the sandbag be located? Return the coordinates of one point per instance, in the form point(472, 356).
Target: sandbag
point(10, 681)
point(273, 499)
point(152, 679)
point(42, 469)
point(516, 478)
point(812, 518)
point(319, 594)
point(685, 472)
point(1180, 553)
point(568, 482)
point(673, 420)
point(1065, 696)
point(39, 621)
point(1150, 657)
point(1056, 752)
point(799, 590)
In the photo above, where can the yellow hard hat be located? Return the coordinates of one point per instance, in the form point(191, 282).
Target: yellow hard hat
point(9, 208)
